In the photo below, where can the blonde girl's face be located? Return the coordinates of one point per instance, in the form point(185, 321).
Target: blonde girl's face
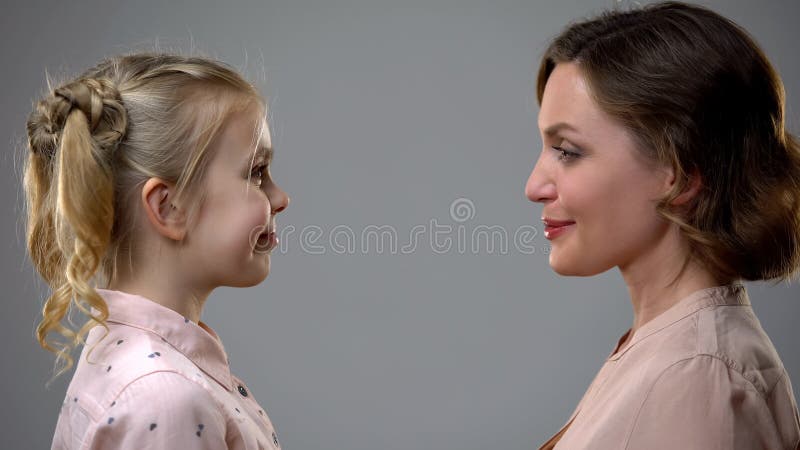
point(598, 195)
point(235, 230)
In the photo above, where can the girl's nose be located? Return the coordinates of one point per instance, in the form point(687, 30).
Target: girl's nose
point(278, 199)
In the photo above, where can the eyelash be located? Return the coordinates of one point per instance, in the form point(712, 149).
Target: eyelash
point(260, 168)
point(566, 155)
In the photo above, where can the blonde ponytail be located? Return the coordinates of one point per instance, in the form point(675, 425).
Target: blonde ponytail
point(73, 134)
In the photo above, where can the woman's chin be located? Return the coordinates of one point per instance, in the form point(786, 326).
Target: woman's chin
point(564, 271)
point(569, 267)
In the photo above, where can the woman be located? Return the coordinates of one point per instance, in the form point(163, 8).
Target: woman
point(665, 154)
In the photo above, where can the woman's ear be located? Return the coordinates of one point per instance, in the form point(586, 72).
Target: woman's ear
point(168, 219)
point(693, 187)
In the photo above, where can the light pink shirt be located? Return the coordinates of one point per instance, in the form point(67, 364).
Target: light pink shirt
point(157, 381)
point(702, 375)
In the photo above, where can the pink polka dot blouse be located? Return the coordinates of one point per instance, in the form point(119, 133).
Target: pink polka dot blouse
point(157, 381)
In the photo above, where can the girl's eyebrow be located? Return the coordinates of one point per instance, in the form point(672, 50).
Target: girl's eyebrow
point(265, 152)
point(262, 152)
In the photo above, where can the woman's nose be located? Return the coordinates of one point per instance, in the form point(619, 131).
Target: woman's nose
point(540, 187)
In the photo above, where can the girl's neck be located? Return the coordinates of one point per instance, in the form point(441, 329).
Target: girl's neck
point(168, 293)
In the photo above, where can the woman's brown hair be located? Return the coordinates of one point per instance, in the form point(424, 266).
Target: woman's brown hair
point(700, 96)
point(92, 142)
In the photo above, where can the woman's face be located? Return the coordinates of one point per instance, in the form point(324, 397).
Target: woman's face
point(598, 193)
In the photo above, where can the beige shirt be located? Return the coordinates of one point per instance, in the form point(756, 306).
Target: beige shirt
point(702, 375)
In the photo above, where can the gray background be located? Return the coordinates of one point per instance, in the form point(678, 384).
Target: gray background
point(384, 113)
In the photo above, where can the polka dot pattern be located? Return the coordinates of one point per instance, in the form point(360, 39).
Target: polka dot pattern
point(189, 355)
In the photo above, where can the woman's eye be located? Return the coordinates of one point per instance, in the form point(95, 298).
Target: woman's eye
point(566, 155)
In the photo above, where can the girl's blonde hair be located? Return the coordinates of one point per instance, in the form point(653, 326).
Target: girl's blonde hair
point(92, 142)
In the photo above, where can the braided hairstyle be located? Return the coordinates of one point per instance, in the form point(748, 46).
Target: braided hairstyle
point(92, 142)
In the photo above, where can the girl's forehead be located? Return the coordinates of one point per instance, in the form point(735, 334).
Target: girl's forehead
point(265, 138)
point(245, 137)
point(262, 139)
point(254, 124)
point(257, 121)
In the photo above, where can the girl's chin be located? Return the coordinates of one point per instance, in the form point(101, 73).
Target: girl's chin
point(254, 275)
point(249, 282)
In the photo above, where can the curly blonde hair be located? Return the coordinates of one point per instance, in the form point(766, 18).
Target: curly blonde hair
point(92, 142)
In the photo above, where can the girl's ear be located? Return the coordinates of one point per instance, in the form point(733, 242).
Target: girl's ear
point(168, 219)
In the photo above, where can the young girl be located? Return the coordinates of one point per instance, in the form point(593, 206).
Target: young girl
point(147, 187)
point(666, 155)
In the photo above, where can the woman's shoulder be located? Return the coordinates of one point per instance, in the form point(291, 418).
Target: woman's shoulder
point(734, 335)
point(725, 337)
point(715, 369)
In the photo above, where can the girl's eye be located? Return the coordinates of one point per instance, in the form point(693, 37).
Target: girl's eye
point(566, 155)
point(258, 174)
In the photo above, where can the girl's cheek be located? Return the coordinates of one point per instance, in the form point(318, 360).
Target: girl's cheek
point(259, 207)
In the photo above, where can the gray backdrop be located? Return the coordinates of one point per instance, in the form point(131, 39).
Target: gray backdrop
point(391, 120)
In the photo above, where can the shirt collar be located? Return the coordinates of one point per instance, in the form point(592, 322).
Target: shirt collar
point(733, 294)
point(198, 342)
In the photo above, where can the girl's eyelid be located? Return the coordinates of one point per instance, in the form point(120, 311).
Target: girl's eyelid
point(260, 165)
point(264, 177)
point(258, 172)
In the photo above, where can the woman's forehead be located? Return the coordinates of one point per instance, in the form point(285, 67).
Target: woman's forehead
point(566, 103)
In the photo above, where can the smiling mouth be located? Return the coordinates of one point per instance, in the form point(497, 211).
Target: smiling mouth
point(554, 228)
point(267, 239)
point(265, 242)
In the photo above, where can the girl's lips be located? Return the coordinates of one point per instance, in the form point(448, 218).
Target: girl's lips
point(273, 240)
point(267, 241)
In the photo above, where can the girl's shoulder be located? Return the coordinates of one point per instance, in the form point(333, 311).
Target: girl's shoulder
point(111, 363)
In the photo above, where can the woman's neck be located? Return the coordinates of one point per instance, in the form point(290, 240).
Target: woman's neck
point(661, 277)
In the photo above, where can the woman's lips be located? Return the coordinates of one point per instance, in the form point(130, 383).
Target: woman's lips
point(554, 228)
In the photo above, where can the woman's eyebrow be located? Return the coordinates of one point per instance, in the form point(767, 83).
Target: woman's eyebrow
point(553, 129)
